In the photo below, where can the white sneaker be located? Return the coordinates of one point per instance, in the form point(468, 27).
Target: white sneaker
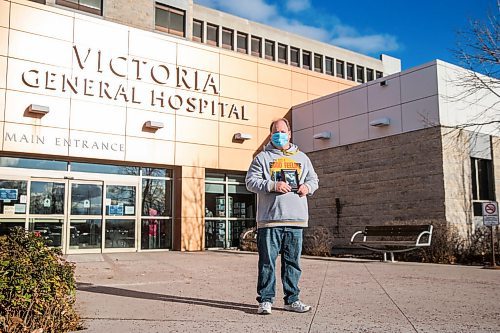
point(265, 308)
point(297, 306)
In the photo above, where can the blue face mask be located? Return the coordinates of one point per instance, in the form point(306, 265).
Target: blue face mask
point(279, 139)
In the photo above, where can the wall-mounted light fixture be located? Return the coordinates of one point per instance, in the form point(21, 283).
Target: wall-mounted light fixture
point(380, 122)
point(37, 111)
point(152, 126)
point(242, 136)
point(383, 83)
point(323, 135)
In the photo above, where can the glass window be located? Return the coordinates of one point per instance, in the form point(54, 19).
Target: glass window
point(360, 74)
point(50, 230)
point(318, 63)
point(256, 46)
point(120, 233)
point(215, 233)
point(212, 34)
point(197, 31)
point(369, 74)
point(269, 50)
point(156, 234)
point(86, 199)
point(283, 53)
point(227, 38)
point(120, 200)
point(169, 20)
point(294, 56)
point(340, 69)
point(28, 163)
point(482, 179)
point(13, 197)
point(242, 41)
point(47, 198)
point(328, 65)
point(378, 74)
point(350, 71)
point(229, 210)
point(7, 225)
point(105, 168)
point(306, 59)
point(155, 172)
point(89, 6)
point(85, 234)
point(156, 197)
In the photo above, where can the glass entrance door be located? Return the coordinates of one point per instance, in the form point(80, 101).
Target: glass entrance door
point(85, 214)
point(120, 217)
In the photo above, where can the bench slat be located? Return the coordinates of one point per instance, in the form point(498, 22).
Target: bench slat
point(395, 230)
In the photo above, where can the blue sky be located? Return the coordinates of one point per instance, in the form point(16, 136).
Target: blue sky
point(414, 31)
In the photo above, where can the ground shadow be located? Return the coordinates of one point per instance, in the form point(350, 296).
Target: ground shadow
point(247, 308)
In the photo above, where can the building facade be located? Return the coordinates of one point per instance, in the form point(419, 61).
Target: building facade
point(417, 147)
point(129, 125)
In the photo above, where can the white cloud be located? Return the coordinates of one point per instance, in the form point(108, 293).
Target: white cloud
point(329, 30)
point(368, 44)
point(297, 5)
point(256, 10)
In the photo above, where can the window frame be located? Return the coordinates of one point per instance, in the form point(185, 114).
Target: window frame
point(255, 53)
point(198, 39)
point(169, 30)
point(272, 44)
point(360, 70)
point(349, 67)
point(370, 74)
point(78, 6)
point(292, 51)
point(231, 34)
point(245, 36)
point(304, 55)
point(320, 57)
point(210, 41)
point(341, 73)
point(378, 75)
point(285, 59)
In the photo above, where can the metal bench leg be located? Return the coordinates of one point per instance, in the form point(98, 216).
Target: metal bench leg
point(385, 256)
point(392, 257)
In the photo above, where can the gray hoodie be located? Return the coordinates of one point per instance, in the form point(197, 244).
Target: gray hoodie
point(280, 209)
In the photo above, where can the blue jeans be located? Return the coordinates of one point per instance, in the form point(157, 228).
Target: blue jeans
point(270, 242)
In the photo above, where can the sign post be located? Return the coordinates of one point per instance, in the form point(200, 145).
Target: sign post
point(490, 218)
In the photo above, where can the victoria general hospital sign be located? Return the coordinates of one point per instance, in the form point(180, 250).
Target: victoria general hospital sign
point(123, 70)
point(102, 77)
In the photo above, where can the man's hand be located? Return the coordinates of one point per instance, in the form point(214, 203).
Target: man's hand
point(303, 190)
point(282, 187)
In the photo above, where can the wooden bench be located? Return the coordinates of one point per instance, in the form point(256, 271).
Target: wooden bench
point(393, 238)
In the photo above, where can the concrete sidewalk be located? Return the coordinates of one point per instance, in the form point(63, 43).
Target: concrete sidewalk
point(215, 292)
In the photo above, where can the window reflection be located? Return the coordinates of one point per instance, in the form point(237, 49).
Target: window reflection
point(47, 198)
point(29, 163)
point(105, 168)
point(85, 234)
point(13, 197)
point(120, 233)
point(215, 233)
point(156, 197)
point(156, 234)
point(7, 225)
point(86, 199)
point(120, 200)
point(49, 230)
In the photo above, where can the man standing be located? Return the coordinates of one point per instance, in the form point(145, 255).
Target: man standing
point(282, 176)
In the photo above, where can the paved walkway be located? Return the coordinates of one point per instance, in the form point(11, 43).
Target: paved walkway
point(215, 292)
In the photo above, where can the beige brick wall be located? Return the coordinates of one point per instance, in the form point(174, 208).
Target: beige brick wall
point(137, 13)
point(396, 179)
